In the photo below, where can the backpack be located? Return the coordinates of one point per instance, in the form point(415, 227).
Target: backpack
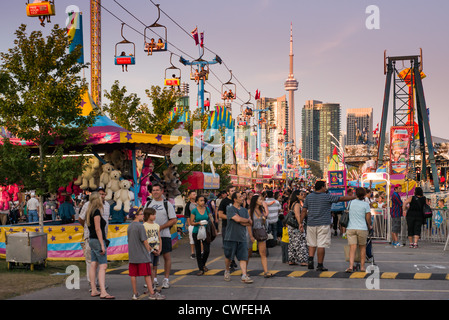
point(427, 211)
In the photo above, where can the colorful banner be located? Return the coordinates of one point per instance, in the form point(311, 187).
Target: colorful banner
point(75, 33)
point(64, 241)
point(400, 137)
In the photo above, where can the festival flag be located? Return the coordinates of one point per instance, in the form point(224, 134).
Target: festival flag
point(75, 33)
point(257, 97)
point(202, 39)
point(195, 35)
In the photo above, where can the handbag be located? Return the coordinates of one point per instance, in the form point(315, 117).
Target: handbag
point(211, 232)
point(260, 234)
point(344, 219)
point(290, 219)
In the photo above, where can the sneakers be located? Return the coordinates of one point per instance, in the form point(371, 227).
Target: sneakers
point(193, 256)
point(227, 276)
point(156, 296)
point(310, 264)
point(246, 279)
point(135, 296)
point(165, 284)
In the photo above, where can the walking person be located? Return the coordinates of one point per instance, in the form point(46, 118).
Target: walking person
point(396, 213)
point(200, 217)
point(190, 205)
point(358, 227)
point(274, 208)
point(98, 244)
point(298, 252)
point(139, 255)
point(415, 216)
point(317, 209)
point(259, 222)
point(222, 209)
point(165, 218)
point(236, 240)
point(154, 240)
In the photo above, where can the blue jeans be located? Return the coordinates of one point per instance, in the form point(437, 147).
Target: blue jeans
point(273, 229)
point(32, 216)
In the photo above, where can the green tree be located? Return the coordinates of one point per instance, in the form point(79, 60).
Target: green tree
point(40, 98)
point(125, 110)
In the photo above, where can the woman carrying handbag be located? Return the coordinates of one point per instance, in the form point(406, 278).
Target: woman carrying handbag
point(258, 231)
point(298, 252)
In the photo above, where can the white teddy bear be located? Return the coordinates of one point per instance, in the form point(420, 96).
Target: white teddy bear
point(114, 184)
point(87, 179)
point(123, 196)
point(105, 176)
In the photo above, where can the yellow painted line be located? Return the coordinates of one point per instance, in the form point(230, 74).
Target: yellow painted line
point(422, 276)
point(184, 272)
point(110, 270)
point(389, 275)
point(297, 274)
point(327, 274)
point(125, 272)
point(237, 273)
point(358, 275)
point(273, 272)
point(213, 272)
point(447, 276)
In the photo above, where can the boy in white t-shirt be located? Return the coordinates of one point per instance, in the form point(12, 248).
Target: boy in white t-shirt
point(152, 230)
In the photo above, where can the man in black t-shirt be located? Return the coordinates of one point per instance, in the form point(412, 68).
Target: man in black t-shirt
point(222, 214)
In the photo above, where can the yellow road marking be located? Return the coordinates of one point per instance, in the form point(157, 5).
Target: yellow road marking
point(358, 275)
point(422, 276)
point(297, 274)
point(389, 275)
point(327, 274)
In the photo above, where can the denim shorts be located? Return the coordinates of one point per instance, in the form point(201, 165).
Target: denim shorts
point(236, 249)
point(95, 252)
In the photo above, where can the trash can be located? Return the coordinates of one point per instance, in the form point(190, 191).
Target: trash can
point(26, 248)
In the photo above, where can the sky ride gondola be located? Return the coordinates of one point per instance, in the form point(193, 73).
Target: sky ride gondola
point(175, 79)
point(161, 44)
point(228, 94)
point(125, 59)
point(198, 75)
point(41, 9)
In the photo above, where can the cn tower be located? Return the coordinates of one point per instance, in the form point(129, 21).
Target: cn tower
point(291, 85)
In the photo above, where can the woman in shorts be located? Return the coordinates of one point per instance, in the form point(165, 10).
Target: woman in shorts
point(357, 229)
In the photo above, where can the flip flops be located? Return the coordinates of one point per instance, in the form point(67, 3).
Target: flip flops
point(108, 297)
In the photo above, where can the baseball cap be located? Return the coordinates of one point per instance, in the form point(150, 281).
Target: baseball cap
point(397, 185)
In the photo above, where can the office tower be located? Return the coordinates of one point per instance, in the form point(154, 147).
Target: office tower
point(359, 123)
point(320, 130)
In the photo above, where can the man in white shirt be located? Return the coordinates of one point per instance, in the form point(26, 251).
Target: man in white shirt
point(33, 209)
point(274, 208)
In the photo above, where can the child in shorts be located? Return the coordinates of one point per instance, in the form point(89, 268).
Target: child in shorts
point(154, 239)
point(139, 257)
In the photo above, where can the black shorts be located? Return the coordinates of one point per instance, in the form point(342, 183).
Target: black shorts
point(166, 245)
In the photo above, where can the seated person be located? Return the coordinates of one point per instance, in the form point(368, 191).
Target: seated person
point(160, 44)
point(123, 54)
point(149, 46)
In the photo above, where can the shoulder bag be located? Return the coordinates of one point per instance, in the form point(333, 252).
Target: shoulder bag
point(344, 219)
point(290, 219)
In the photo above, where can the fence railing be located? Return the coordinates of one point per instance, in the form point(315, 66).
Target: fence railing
point(434, 230)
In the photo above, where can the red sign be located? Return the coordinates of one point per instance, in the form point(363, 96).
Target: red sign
point(123, 60)
point(172, 82)
point(38, 9)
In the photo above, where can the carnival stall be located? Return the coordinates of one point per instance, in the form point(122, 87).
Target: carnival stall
point(114, 166)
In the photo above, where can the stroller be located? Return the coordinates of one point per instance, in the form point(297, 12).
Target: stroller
point(369, 253)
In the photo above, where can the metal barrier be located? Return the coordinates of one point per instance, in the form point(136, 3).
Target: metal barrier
point(434, 230)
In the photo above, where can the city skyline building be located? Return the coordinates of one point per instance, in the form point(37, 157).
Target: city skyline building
point(320, 130)
point(291, 85)
point(359, 126)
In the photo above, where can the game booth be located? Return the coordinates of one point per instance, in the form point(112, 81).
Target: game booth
point(122, 160)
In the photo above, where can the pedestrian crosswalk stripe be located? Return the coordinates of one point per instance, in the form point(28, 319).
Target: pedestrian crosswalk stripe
point(302, 274)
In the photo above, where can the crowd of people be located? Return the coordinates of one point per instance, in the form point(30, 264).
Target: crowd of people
point(300, 220)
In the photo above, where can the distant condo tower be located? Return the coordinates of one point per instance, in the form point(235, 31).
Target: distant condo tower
point(291, 85)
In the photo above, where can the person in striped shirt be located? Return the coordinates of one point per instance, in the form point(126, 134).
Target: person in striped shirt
point(317, 208)
point(396, 214)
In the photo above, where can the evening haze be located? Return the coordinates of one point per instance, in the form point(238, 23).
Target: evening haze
point(337, 59)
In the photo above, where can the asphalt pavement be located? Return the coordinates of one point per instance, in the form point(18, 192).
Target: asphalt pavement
point(399, 273)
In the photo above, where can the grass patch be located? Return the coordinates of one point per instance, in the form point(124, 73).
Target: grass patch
point(19, 281)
